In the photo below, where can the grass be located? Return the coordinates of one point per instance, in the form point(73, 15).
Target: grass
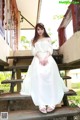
point(75, 100)
point(76, 85)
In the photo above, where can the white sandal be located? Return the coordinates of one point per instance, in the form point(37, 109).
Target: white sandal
point(43, 109)
point(50, 108)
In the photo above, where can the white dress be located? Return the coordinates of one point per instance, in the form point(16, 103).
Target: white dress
point(43, 83)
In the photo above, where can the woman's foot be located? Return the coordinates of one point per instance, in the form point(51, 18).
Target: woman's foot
point(43, 109)
point(50, 108)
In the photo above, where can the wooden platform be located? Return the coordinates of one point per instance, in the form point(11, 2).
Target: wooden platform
point(68, 112)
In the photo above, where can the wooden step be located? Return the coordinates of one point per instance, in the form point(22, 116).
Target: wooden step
point(68, 66)
point(3, 63)
point(15, 96)
point(19, 57)
point(70, 93)
point(25, 67)
point(60, 113)
point(12, 98)
point(21, 80)
point(12, 81)
point(16, 67)
point(30, 57)
point(58, 58)
point(66, 77)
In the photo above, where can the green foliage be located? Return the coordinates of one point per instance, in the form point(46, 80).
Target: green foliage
point(62, 73)
point(24, 39)
point(57, 17)
point(4, 76)
point(24, 42)
point(53, 41)
point(49, 31)
point(75, 100)
point(73, 105)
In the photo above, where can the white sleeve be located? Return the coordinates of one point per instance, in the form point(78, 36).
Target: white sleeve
point(33, 51)
point(50, 48)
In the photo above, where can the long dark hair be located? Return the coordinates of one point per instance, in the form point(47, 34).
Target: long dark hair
point(36, 36)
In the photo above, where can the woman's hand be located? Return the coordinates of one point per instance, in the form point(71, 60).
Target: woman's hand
point(43, 62)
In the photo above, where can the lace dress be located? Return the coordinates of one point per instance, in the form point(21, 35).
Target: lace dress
point(43, 83)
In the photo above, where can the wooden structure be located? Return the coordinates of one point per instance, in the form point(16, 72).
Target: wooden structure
point(11, 97)
point(11, 17)
point(71, 14)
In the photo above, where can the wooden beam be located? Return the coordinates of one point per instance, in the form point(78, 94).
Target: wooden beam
point(74, 18)
point(61, 35)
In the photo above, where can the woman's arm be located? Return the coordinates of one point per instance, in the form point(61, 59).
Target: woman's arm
point(50, 48)
point(47, 55)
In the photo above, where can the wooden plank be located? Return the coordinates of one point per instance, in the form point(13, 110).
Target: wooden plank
point(29, 57)
point(68, 66)
point(12, 81)
point(58, 58)
point(17, 67)
point(3, 63)
point(36, 115)
point(15, 96)
point(66, 77)
point(21, 67)
point(70, 93)
point(19, 57)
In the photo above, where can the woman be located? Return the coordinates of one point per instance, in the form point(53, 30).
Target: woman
point(43, 81)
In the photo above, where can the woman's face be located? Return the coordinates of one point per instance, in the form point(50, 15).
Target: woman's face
point(40, 31)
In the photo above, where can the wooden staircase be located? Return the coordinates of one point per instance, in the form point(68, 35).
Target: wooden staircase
point(20, 107)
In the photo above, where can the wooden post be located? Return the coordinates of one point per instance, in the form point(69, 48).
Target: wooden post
point(66, 79)
point(18, 28)
point(18, 76)
point(74, 18)
point(12, 77)
point(61, 35)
